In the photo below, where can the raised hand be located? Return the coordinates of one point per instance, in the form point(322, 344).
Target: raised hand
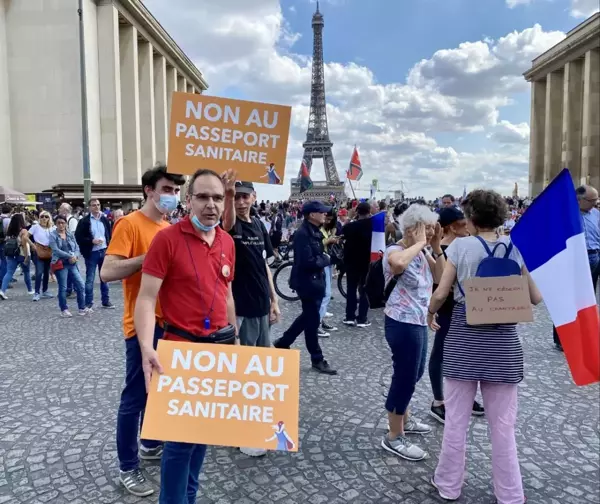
point(229, 177)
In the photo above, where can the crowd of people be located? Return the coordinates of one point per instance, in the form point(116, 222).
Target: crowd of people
point(219, 245)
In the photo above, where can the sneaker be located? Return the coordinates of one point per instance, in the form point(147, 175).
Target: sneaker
point(323, 367)
point(135, 483)
point(36, 297)
point(366, 323)
point(151, 453)
point(328, 327)
point(277, 344)
point(13, 280)
point(254, 452)
point(108, 306)
point(83, 312)
point(89, 310)
point(413, 426)
point(66, 314)
point(442, 495)
point(478, 409)
point(47, 295)
point(31, 292)
point(3, 296)
point(403, 448)
point(351, 323)
point(438, 412)
point(321, 333)
point(328, 315)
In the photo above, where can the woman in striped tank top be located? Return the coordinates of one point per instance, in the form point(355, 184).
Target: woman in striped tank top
point(488, 355)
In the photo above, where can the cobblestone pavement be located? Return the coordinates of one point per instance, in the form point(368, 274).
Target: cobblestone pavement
point(60, 381)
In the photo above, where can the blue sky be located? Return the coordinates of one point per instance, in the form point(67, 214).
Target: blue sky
point(430, 90)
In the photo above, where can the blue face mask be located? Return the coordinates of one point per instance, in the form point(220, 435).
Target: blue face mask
point(167, 203)
point(196, 222)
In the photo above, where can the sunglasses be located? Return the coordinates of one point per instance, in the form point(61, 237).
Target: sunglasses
point(44, 216)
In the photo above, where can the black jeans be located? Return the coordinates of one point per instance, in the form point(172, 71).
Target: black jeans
point(308, 321)
point(436, 358)
point(356, 282)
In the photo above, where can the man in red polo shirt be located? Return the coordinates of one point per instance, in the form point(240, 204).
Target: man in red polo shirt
point(189, 268)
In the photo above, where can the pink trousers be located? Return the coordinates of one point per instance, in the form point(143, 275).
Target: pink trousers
point(500, 402)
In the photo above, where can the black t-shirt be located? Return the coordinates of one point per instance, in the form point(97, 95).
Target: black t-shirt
point(251, 285)
point(357, 244)
point(448, 305)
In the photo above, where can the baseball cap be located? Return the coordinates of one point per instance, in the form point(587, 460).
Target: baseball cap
point(315, 207)
point(450, 215)
point(244, 187)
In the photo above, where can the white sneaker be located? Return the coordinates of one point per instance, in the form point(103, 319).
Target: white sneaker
point(414, 426)
point(3, 296)
point(403, 448)
point(328, 315)
point(31, 292)
point(66, 314)
point(254, 452)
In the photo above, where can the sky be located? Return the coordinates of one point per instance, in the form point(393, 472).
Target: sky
point(431, 91)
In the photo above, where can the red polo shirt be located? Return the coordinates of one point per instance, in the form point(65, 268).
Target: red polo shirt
point(188, 299)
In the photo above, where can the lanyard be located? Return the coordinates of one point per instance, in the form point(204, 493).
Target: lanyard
point(212, 304)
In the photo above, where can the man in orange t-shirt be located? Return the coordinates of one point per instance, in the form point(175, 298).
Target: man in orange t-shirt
point(131, 239)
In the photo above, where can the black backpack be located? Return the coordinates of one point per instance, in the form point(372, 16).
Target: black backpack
point(2, 233)
point(11, 248)
point(375, 287)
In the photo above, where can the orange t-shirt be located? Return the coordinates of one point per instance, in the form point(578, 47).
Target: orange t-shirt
point(131, 237)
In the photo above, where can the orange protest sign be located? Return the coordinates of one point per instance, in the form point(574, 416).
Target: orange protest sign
point(225, 395)
point(223, 133)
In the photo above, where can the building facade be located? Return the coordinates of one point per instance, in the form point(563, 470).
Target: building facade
point(565, 109)
point(132, 66)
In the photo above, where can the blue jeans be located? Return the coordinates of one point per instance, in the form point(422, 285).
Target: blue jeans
point(179, 472)
point(11, 266)
point(93, 261)
point(133, 403)
point(408, 343)
point(327, 298)
point(61, 278)
point(42, 274)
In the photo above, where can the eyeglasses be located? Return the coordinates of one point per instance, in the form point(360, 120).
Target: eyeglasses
point(44, 216)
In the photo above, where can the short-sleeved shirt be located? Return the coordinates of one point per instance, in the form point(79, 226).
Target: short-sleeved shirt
point(195, 277)
point(410, 298)
point(467, 253)
point(41, 235)
point(251, 291)
point(132, 236)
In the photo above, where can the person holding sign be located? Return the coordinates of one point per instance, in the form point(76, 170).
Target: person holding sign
point(489, 355)
point(189, 268)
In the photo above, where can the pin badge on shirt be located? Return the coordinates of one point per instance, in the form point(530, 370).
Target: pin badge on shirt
point(206, 323)
point(225, 270)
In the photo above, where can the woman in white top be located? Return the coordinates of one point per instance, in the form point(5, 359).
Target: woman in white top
point(40, 233)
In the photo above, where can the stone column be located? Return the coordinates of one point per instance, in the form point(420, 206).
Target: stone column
point(147, 108)
point(590, 151)
point(130, 105)
point(109, 71)
point(181, 84)
point(536, 152)
point(190, 89)
point(553, 126)
point(171, 88)
point(160, 107)
point(6, 162)
point(572, 118)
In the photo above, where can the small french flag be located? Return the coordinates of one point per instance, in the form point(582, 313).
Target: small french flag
point(378, 236)
point(551, 240)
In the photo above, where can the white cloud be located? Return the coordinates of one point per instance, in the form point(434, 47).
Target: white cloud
point(506, 132)
point(250, 47)
point(584, 8)
point(514, 3)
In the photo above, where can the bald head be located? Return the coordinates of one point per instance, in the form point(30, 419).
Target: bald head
point(587, 196)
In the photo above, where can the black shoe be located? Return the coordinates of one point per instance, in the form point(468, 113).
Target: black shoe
point(438, 412)
point(277, 344)
point(108, 306)
point(323, 367)
point(328, 327)
point(559, 347)
point(478, 409)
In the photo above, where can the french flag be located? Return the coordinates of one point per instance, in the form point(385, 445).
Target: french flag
point(378, 236)
point(551, 239)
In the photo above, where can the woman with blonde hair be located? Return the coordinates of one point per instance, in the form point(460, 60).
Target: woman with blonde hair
point(40, 232)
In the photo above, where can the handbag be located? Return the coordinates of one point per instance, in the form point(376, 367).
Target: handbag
point(43, 252)
point(57, 266)
point(223, 336)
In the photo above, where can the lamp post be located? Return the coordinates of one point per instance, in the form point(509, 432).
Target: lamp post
point(85, 143)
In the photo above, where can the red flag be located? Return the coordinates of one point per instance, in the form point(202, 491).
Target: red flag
point(305, 180)
point(355, 170)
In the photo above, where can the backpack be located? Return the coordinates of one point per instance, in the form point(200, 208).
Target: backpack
point(492, 266)
point(375, 287)
point(2, 233)
point(11, 248)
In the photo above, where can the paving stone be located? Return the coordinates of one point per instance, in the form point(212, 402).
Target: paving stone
point(60, 381)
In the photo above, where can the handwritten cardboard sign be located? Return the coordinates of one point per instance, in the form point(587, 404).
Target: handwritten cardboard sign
point(225, 395)
point(498, 300)
point(222, 133)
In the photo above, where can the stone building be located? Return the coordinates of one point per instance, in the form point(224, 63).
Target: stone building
point(565, 109)
point(132, 66)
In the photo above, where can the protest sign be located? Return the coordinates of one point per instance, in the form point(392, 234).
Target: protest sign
point(498, 300)
point(222, 133)
point(225, 395)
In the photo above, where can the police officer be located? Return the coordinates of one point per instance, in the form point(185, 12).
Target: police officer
point(308, 280)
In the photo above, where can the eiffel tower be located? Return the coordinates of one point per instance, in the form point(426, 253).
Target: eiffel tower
point(317, 144)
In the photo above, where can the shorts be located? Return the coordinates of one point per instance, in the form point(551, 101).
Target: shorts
point(254, 331)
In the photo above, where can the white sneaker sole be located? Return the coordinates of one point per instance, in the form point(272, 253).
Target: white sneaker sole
point(445, 497)
point(132, 491)
point(398, 454)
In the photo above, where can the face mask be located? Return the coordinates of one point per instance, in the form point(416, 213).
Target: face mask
point(167, 203)
point(196, 222)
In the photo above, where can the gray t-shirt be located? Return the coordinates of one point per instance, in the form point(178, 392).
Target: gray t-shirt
point(467, 253)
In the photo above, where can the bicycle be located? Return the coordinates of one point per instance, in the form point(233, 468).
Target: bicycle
point(281, 282)
point(286, 253)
